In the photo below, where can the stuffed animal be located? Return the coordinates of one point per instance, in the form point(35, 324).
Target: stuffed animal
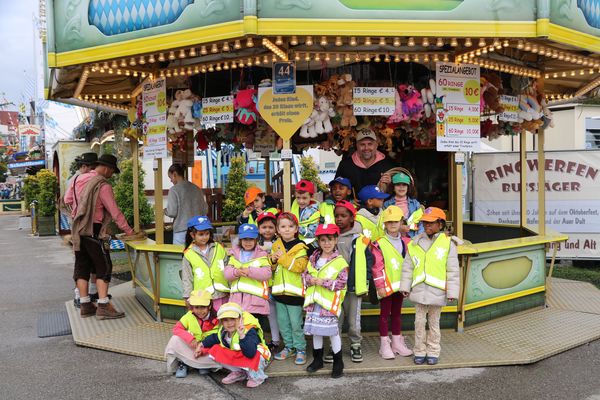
point(172, 124)
point(388, 134)
point(428, 97)
point(348, 117)
point(325, 111)
point(398, 116)
point(491, 88)
point(346, 138)
point(245, 106)
point(308, 128)
point(412, 105)
point(344, 95)
point(183, 115)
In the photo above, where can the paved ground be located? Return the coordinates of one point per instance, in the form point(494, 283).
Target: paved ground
point(35, 277)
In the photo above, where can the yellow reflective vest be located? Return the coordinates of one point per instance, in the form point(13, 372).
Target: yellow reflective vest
point(414, 219)
point(371, 230)
point(272, 210)
point(205, 277)
point(392, 260)
point(313, 219)
point(190, 322)
point(360, 265)
point(250, 321)
point(430, 266)
point(244, 284)
point(286, 282)
point(326, 298)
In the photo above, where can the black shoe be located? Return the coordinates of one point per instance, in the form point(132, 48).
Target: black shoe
point(317, 363)
point(328, 358)
point(356, 352)
point(338, 365)
point(77, 303)
point(94, 297)
point(274, 347)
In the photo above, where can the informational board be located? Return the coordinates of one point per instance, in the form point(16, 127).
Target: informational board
point(285, 113)
point(29, 130)
point(217, 110)
point(284, 77)
point(572, 195)
point(154, 103)
point(511, 108)
point(374, 100)
point(457, 107)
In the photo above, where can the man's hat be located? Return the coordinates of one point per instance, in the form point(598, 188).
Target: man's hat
point(432, 214)
point(327, 229)
point(87, 159)
point(110, 161)
point(305, 186)
point(200, 298)
point(366, 133)
point(371, 192)
point(342, 181)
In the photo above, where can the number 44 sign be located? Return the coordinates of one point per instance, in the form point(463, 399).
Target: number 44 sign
point(284, 77)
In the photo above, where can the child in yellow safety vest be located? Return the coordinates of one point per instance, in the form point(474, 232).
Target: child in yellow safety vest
point(306, 210)
point(256, 202)
point(404, 197)
point(387, 275)
point(188, 332)
point(203, 262)
point(289, 259)
point(369, 215)
point(239, 346)
point(249, 272)
point(430, 274)
point(340, 189)
point(325, 281)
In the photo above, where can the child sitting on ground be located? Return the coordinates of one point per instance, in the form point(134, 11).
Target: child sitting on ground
point(306, 210)
point(430, 274)
point(369, 215)
point(325, 281)
point(203, 262)
point(194, 326)
point(340, 189)
point(238, 345)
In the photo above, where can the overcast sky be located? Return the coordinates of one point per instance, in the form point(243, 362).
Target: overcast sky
point(16, 47)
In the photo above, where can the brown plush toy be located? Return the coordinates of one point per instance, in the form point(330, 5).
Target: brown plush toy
point(491, 89)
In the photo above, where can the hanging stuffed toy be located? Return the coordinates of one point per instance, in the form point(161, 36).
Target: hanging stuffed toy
point(245, 106)
point(412, 105)
point(398, 116)
point(428, 97)
point(325, 112)
point(172, 124)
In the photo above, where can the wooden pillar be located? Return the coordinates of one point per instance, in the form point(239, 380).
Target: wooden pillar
point(158, 203)
point(458, 199)
point(287, 180)
point(135, 164)
point(541, 184)
point(523, 175)
point(268, 175)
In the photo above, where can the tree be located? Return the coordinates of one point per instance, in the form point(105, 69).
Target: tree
point(31, 189)
point(236, 186)
point(310, 171)
point(123, 189)
point(48, 189)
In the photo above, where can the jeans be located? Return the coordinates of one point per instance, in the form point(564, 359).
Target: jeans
point(179, 237)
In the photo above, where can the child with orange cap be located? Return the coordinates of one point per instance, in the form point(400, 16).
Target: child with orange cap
point(256, 203)
point(430, 278)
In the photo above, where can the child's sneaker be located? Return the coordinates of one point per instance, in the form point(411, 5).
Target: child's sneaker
point(182, 371)
point(203, 371)
point(252, 383)
point(300, 357)
point(233, 377)
point(356, 352)
point(285, 354)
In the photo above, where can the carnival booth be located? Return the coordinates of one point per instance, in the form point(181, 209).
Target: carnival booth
point(431, 78)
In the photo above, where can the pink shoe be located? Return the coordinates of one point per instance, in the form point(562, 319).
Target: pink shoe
point(252, 383)
point(385, 349)
point(233, 377)
point(399, 347)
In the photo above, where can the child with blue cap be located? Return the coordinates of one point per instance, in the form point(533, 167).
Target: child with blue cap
point(340, 189)
point(249, 272)
point(203, 262)
point(369, 215)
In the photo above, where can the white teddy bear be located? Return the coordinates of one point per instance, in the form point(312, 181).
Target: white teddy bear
point(172, 124)
point(325, 111)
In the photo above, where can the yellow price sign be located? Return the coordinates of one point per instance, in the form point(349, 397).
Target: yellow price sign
point(161, 102)
point(471, 91)
point(285, 113)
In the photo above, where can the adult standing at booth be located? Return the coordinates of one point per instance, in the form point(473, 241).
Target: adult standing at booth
point(185, 200)
point(367, 165)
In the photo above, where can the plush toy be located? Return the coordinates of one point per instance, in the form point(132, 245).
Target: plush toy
point(346, 138)
point(345, 87)
point(412, 105)
point(398, 116)
point(547, 118)
point(388, 134)
point(530, 108)
point(183, 115)
point(308, 128)
point(245, 106)
point(428, 97)
point(348, 117)
point(325, 111)
point(491, 88)
point(172, 124)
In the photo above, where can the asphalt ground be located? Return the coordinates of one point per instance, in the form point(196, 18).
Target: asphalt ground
point(35, 277)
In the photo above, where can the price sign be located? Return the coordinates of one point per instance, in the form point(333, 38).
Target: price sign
point(284, 77)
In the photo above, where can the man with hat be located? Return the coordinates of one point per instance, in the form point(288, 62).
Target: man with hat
point(367, 165)
point(93, 210)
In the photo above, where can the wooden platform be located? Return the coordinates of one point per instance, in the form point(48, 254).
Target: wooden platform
point(571, 319)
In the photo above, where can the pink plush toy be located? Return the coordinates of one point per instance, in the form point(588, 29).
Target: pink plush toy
point(412, 105)
point(398, 116)
point(245, 106)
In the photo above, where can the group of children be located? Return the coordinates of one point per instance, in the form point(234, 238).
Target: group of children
point(306, 272)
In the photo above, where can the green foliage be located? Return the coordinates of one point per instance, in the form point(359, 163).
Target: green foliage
point(123, 189)
point(31, 189)
point(73, 168)
point(48, 189)
point(591, 274)
point(3, 170)
point(234, 204)
point(310, 171)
